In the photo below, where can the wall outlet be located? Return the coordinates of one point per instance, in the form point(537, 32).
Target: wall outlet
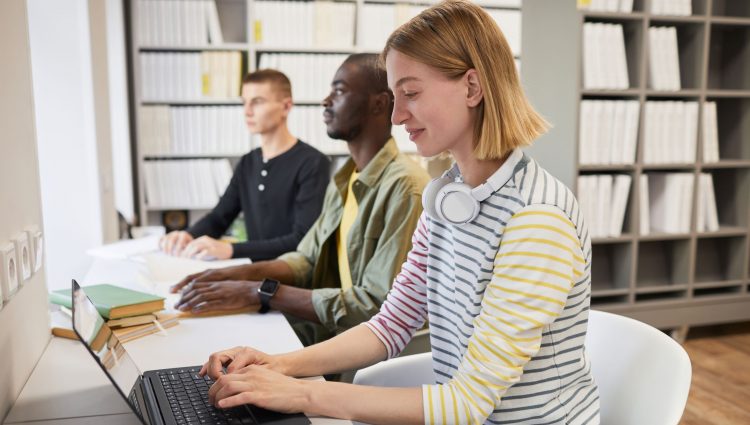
point(36, 246)
point(9, 271)
point(23, 257)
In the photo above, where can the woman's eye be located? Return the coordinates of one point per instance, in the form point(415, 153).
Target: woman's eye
point(410, 95)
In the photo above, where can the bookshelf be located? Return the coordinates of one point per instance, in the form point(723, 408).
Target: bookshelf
point(172, 30)
point(670, 280)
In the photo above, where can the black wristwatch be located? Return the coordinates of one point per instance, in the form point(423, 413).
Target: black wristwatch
point(266, 291)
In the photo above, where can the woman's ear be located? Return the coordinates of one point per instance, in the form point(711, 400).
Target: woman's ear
point(474, 93)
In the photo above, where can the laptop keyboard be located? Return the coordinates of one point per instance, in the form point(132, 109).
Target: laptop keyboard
point(187, 393)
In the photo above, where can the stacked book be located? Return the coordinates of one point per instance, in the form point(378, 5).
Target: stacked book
point(608, 132)
point(670, 133)
point(315, 24)
point(664, 59)
point(707, 214)
point(625, 6)
point(666, 201)
point(672, 7)
point(129, 314)
point(178, 23)
point(311, 74)
point(603, 199)
point(190, 76)
point(710, 133)
point(186, 184)
point(605, 64)
point(193, 130)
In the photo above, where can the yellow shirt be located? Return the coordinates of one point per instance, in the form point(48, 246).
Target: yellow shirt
point(350, 213)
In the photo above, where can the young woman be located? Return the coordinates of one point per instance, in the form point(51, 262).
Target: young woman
point(500, 263)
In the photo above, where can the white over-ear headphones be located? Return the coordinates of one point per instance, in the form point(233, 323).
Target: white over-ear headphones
point(450, 200)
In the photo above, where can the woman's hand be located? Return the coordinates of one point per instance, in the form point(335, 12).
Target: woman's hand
point(237, 358)
point(263, 387)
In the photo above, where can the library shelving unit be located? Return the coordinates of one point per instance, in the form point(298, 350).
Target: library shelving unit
point(671, 281)
point(257, 42)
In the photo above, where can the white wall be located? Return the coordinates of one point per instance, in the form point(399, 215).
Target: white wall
point(66, 134)
point(24, 324)
point(119, 120)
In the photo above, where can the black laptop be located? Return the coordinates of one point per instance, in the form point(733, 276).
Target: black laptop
point(176, 396)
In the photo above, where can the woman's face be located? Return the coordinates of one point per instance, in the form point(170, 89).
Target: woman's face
point(437, 112)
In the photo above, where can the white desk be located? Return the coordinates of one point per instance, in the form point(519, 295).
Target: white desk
point(67, 387)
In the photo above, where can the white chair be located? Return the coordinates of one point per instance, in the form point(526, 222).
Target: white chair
point(406, 371)
point(643, 375)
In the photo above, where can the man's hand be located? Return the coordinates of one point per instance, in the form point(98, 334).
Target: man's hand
point(204, 297)
point(242, 272)
point(173, 243)
point(208, 248)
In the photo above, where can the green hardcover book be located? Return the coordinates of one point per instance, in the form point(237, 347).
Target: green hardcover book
point(113, 302)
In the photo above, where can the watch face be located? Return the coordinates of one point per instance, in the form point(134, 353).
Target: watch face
point(269, 286)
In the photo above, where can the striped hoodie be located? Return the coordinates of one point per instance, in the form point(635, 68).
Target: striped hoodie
point(507, 299)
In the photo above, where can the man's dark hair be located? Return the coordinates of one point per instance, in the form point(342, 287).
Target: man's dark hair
point(373, 70)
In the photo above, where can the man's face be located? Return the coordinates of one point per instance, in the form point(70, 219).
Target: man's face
point(265, 108)
point(346, 107)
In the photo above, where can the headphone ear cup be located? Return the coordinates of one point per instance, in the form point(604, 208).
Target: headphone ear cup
point(455, 204)
point(429, 194)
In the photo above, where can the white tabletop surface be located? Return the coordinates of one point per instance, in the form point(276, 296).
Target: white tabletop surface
point(67, 386)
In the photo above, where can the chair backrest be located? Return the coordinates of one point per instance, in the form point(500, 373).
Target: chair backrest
point(407, 371)
point(643, 375)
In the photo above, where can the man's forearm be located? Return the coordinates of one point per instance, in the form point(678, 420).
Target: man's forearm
point(272, 269)
point(295, 301)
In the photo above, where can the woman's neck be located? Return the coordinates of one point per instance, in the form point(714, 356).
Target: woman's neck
point(476, 171)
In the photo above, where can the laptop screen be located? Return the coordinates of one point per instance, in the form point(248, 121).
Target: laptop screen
point(91, 329)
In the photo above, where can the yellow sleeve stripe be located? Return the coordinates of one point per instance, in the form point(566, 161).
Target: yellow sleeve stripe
point(542, 241)
point(518, 355)
point(542, 227)
point(559, 217)
point(478, 394)
point(429, 398)
point(467, 398)
point(537, 255)
point(517, 315)
point(495, 353)
point(484, 382)
point(442, 405)
point(535, 269)
point(494, 288)
point(455, 405)
point(511, 340)
point(534, 282)
point(531, 307)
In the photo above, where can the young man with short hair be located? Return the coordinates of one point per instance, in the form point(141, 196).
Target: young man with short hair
point(279, 187)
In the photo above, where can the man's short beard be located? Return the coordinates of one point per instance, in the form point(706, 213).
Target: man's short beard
point(346, 136)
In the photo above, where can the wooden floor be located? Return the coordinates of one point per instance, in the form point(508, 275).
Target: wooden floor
point(720, 389)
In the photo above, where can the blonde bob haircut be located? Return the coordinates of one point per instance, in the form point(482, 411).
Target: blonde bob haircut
point(455, 36)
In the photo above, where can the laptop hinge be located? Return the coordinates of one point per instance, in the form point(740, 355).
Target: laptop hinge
point(152, 406)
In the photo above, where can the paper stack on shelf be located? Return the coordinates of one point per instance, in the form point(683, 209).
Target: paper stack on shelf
point(603, 199)
point(710, 133)
point(607, 5)
point(670, 133)
point(664, 59)
point(311, 74)
point(186, 184)
point(190, 76)
point(178, 23)
point(672, 7)
point(316, 24)
point(193, 130)
point(604, 60)
point(608, 132)
point(668, 202)
point(707, 215)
